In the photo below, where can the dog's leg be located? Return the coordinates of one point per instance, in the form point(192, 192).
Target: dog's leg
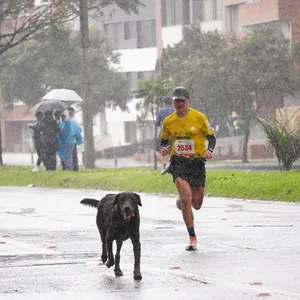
point(109, 245)
point(104, 250)
point(117, 270)
point(137, 257)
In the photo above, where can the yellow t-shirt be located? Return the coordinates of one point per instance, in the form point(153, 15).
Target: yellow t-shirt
point(188, 133)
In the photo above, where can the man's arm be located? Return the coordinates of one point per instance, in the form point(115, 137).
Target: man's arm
point(164, 143)
point(211, 142)
point(165, 148)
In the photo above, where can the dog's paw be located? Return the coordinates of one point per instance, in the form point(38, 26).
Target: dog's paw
point(137, 276)
point(110, 263)
point(104, 258)
point(118, 273)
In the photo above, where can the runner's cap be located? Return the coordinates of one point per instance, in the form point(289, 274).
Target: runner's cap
point(180, 93)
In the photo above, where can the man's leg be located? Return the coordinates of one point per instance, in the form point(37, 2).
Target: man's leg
point(39, 155)
point(46, 160)
point(52, 161)
point(197, 197)
point(185, 194)
point(68, 162)
point(75, 159)
point(186, 201)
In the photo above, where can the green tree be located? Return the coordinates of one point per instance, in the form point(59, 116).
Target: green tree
point(150, 93)
point(283, 133)
point(245, 75)
point(52, 60)
point(261, 71)
point(21, 20)
point(194, 63)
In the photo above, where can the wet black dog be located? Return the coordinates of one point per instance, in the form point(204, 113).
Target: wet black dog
point(118, 219)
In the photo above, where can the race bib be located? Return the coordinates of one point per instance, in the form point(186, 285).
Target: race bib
point(184, 147)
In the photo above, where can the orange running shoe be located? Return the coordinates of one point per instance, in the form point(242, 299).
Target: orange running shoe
point(192, 245)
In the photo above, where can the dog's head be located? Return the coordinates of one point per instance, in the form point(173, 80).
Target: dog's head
point(128, 204)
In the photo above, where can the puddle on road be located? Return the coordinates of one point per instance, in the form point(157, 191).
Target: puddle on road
point(234, 208)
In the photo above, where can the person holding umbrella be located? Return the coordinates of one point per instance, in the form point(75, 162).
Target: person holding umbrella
point(49, 131)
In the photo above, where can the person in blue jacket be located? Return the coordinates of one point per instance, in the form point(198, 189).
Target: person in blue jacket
point(70, 137)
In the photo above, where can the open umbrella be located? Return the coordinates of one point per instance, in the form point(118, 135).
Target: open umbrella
point(62, 95)
point(48, 105)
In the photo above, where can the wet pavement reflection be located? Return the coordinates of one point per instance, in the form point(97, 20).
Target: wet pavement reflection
point(50, 249)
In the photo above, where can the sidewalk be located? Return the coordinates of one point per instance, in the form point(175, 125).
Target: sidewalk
point(28, 159)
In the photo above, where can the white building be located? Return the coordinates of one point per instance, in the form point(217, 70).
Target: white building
point(140, 39)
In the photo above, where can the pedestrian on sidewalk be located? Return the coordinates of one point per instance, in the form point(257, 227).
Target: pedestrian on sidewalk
point(37, 142)
point(71, 112)
point(69, 139)
point(189, 130)
point(161, 115)
point(49, 135)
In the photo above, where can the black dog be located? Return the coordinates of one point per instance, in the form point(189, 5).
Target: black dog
point(118, 219)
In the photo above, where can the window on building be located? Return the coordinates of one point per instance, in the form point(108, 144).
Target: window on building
point(168, 12)
point(212, 10)
point(146, 34)
point(130, 132)
point(132, 80)
point(186, 19)
point(140, 75)
point(197, 11)
point(233, 20)
point(129, 30)
point(128, 76)
point(112, 32)
point(175, 12)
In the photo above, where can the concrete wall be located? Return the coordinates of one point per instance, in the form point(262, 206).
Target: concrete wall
point(290, 10)
point(212, 26)
point(286, 13)
point(171, 35)
point(261, 12)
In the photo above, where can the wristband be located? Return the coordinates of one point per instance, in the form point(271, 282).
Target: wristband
point(210, 150)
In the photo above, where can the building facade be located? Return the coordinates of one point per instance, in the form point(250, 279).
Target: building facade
point(140, 39)
point(242, 16)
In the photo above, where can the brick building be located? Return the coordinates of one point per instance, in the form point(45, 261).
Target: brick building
point(243, 15)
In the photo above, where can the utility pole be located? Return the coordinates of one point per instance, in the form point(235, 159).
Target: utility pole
point(1, 160)
point(1, 100)
point(87, 114)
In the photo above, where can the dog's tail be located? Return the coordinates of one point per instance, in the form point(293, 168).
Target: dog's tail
point(90, 202)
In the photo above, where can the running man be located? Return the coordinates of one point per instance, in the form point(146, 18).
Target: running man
point(189, 130)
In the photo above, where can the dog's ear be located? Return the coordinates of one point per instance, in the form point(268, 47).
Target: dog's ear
point(138, 200)
point(116, 199)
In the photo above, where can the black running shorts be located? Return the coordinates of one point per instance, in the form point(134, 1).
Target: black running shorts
point(190, 169)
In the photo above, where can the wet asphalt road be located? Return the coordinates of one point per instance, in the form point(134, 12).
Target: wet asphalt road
point(50, 249)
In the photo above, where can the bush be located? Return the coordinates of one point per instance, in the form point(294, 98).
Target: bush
point(283, 134)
